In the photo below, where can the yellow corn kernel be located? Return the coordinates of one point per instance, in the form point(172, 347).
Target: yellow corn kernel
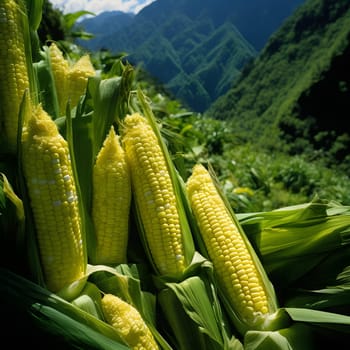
point(78, 75)
point(154, 195)
point(13, 70)
point(128, 322)
point(233, 264)
point(60, 68)
point(111, 202)
point(54, 202)
point(70, 79)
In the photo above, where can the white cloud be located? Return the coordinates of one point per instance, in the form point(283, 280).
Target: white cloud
point(98, 6)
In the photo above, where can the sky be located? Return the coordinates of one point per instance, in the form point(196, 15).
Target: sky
point(98, 6)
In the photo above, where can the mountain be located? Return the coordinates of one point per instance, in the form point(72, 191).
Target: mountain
point(255, 19)
point(195, 48)
point(106, 22)
point(297, 90)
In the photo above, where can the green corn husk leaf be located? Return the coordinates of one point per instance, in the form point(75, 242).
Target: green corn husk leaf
point(54, 322)
point(34, 9)
point(46, 85)
point(192, 312)
point(298, 239)
point(327, 328)
point(66, 333)
point(87, 303)
point(89, 300)
point(310, 329)
point(30, 19)
point(70, 19)
point(326, 319)
point(125, 281)
point(110, 102)
point(333, 298)
point(298, 336)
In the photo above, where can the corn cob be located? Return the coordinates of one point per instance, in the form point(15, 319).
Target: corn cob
point(53, 198)
point(78, 75)
point(70, 80)
point(13, 70)
point(128, 322)
point(111, 202)
point(60, 68)
point(236, 270)
point(154, 195)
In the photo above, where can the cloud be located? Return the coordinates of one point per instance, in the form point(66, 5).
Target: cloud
point(98, 6)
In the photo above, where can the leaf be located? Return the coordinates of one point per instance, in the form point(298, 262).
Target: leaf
point(319, 317)
point(298, 337)
point(298, 238)
point(125, 281)
point(51, 319)
point(71, 18)
point(192, 310)
point(34, 8)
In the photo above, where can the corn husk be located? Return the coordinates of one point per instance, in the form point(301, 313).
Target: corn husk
point(53, 320)
point(303, 240)
point(193, 312)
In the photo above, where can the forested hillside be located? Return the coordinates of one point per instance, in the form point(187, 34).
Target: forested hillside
point(106, 22)
point(195, 48)
point(296, 94)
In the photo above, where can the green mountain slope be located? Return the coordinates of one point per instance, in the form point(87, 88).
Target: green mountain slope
point(107, 22)
point(194, 47)
point(297, 91)
point(206, 71)
point(188, 56)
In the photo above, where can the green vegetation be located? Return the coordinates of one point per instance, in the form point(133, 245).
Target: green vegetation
point(294, 96)
point(252, 178)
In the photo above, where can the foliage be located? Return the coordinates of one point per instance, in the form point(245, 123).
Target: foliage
point(294, 95)
point(51, 26)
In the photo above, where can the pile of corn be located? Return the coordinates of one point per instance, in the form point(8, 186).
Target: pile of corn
point(125, 253)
